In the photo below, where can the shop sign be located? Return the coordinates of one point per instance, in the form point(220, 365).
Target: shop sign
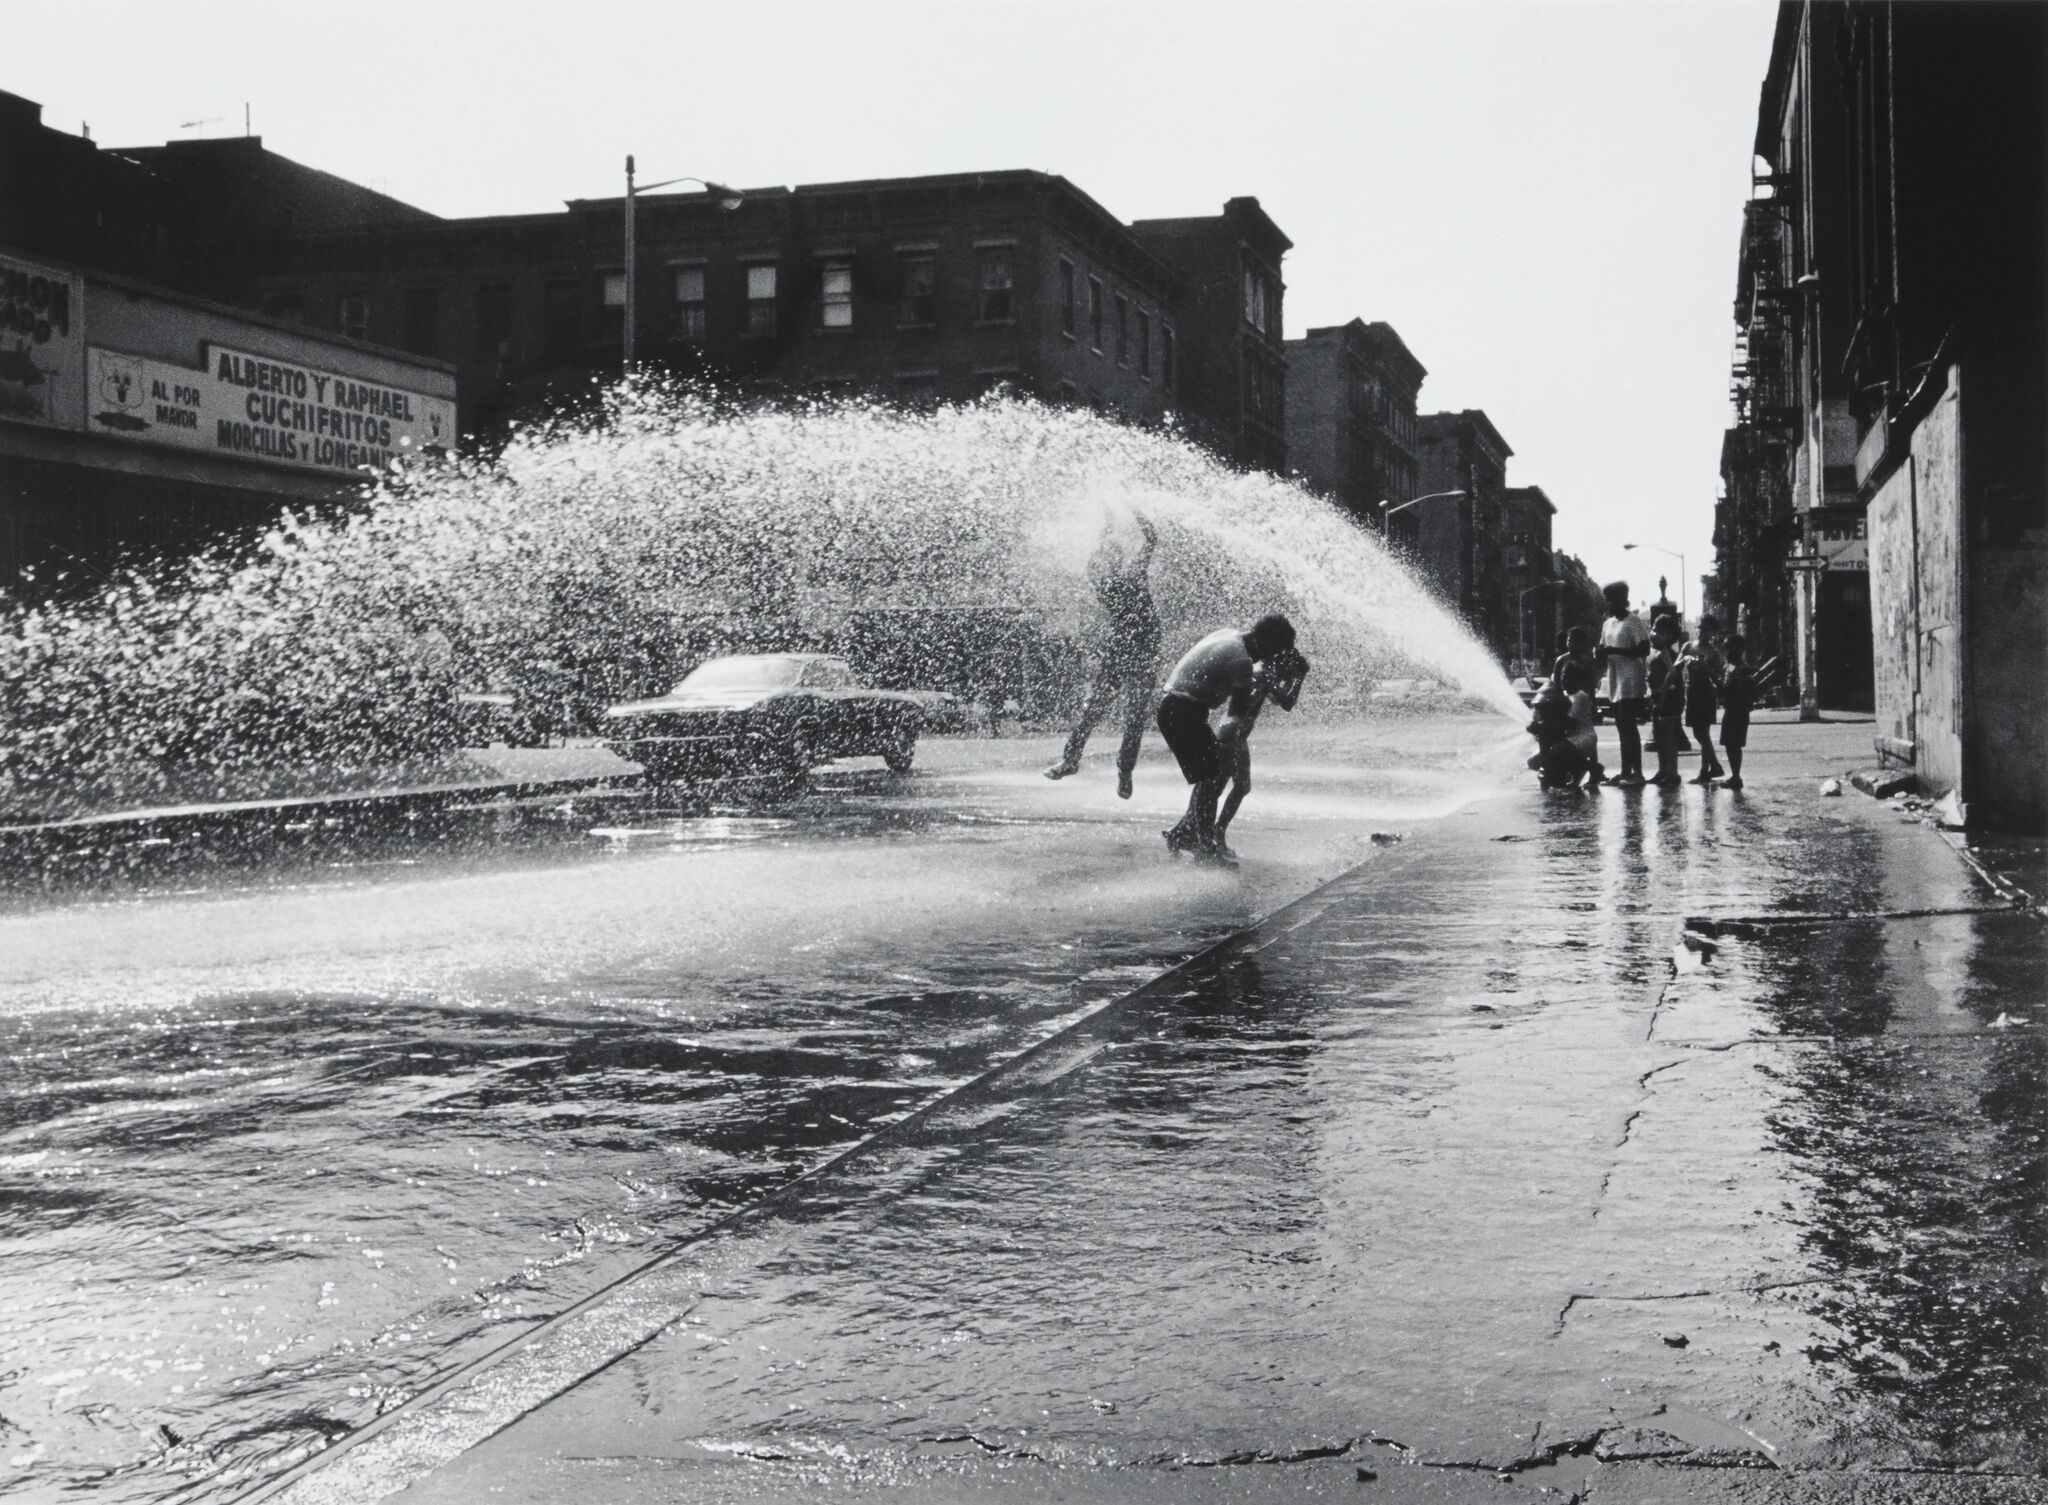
point(262, 408)
point(42, 344)
point(1842, 545)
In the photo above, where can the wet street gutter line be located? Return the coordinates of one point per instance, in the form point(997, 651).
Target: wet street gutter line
point(1030, 1070)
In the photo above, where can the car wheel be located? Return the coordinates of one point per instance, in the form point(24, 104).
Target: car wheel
point(901, 750)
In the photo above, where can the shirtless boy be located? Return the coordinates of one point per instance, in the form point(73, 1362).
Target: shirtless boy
point(1218, 671)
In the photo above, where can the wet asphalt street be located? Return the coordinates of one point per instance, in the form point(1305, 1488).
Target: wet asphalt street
point(286, 1141)
point(1641, 1146)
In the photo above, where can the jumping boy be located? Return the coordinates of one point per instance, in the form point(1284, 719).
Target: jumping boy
point(1217, 671)
point(1130, 655)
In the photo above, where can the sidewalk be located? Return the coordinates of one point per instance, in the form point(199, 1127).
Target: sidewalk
point(1636, 1146)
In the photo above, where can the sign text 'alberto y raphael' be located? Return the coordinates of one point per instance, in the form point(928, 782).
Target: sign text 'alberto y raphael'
point(265, 409)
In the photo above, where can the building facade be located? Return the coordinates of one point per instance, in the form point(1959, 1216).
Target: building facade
point(1351, 420)
point(1234, 364)
point(1888, 453)
point(1797, 560)
point(1459, 542)
point(136, 422)
point(1531, 581)
point(911, 289)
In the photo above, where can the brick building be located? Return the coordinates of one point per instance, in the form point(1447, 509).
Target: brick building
point(919, 289)
point(1351, 421)
point(1234, 361)
point(1460, 542)
point(1530, 588)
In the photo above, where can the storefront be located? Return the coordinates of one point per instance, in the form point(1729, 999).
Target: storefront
point(137, 422)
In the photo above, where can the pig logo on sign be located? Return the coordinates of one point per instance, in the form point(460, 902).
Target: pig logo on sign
point(120, 387)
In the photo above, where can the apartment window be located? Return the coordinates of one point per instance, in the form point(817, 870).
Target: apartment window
point(917, 389)
point(493, 320)
point(920, 291)
point(1095, 314)
point(1144, 346)
point(1254, 300)
point(614, 305)
point(352, 313)
point(289, 308)
point(997, 280)
point(561, 323)
point(423, 320)
point(1066, 297)
point(1123, 330)
point(761, 300)
point(835, 294)
point(1167, 363)
point(688, 287)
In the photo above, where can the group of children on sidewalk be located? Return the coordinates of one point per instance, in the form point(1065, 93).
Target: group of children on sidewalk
point(1681, 685)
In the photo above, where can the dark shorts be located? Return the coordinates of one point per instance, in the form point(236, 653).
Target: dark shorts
point(1734, 731)
point(1185, 726)
point(1667, 736)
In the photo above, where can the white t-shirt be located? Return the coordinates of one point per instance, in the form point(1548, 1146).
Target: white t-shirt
point(1627, 678)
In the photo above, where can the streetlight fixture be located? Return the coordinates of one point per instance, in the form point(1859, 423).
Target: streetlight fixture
point(1388, 508)
point(729, 199)
point(1673, 554)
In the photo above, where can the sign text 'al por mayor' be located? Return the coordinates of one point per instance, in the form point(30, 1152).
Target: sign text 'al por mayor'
point(262, 408)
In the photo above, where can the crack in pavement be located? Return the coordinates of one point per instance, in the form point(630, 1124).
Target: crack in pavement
point(1754, 925)
point(1564, 1312)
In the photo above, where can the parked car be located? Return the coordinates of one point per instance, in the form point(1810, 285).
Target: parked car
point(772, 713)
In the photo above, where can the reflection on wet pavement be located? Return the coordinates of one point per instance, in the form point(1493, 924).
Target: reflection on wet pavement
point(1476, 1182)
point(283, 1150)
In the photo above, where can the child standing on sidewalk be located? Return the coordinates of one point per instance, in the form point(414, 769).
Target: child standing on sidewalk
point(1701, 666)
point(1738, 689)
point(1667, 700)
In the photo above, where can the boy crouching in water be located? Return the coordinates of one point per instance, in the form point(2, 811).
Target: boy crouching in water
point(1560, 760)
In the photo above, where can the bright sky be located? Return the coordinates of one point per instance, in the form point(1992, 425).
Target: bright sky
point(1543, 198)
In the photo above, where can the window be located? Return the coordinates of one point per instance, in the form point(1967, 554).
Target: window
point(835, 294)
point(493, 320)
point(688, 285)
point(289, 308)
point(561, 323)
point(918, 389)
point(1167, 373)
point(920, 292)
point(1066, 297)
point(761, 301)
point(352, 313)
point(1144, 346)
point(997, 278)
point(1095, 314)
point(1123, 330)
point(1261, 301)
point(614, 289)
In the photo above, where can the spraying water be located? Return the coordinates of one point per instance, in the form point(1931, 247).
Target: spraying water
point(590, 553)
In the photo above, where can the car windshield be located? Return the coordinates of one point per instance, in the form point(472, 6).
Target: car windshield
point(767, 673)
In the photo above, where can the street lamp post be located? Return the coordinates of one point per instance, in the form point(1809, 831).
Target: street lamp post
point(1672, 554)
point(728, 199)
point(1522, 616)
